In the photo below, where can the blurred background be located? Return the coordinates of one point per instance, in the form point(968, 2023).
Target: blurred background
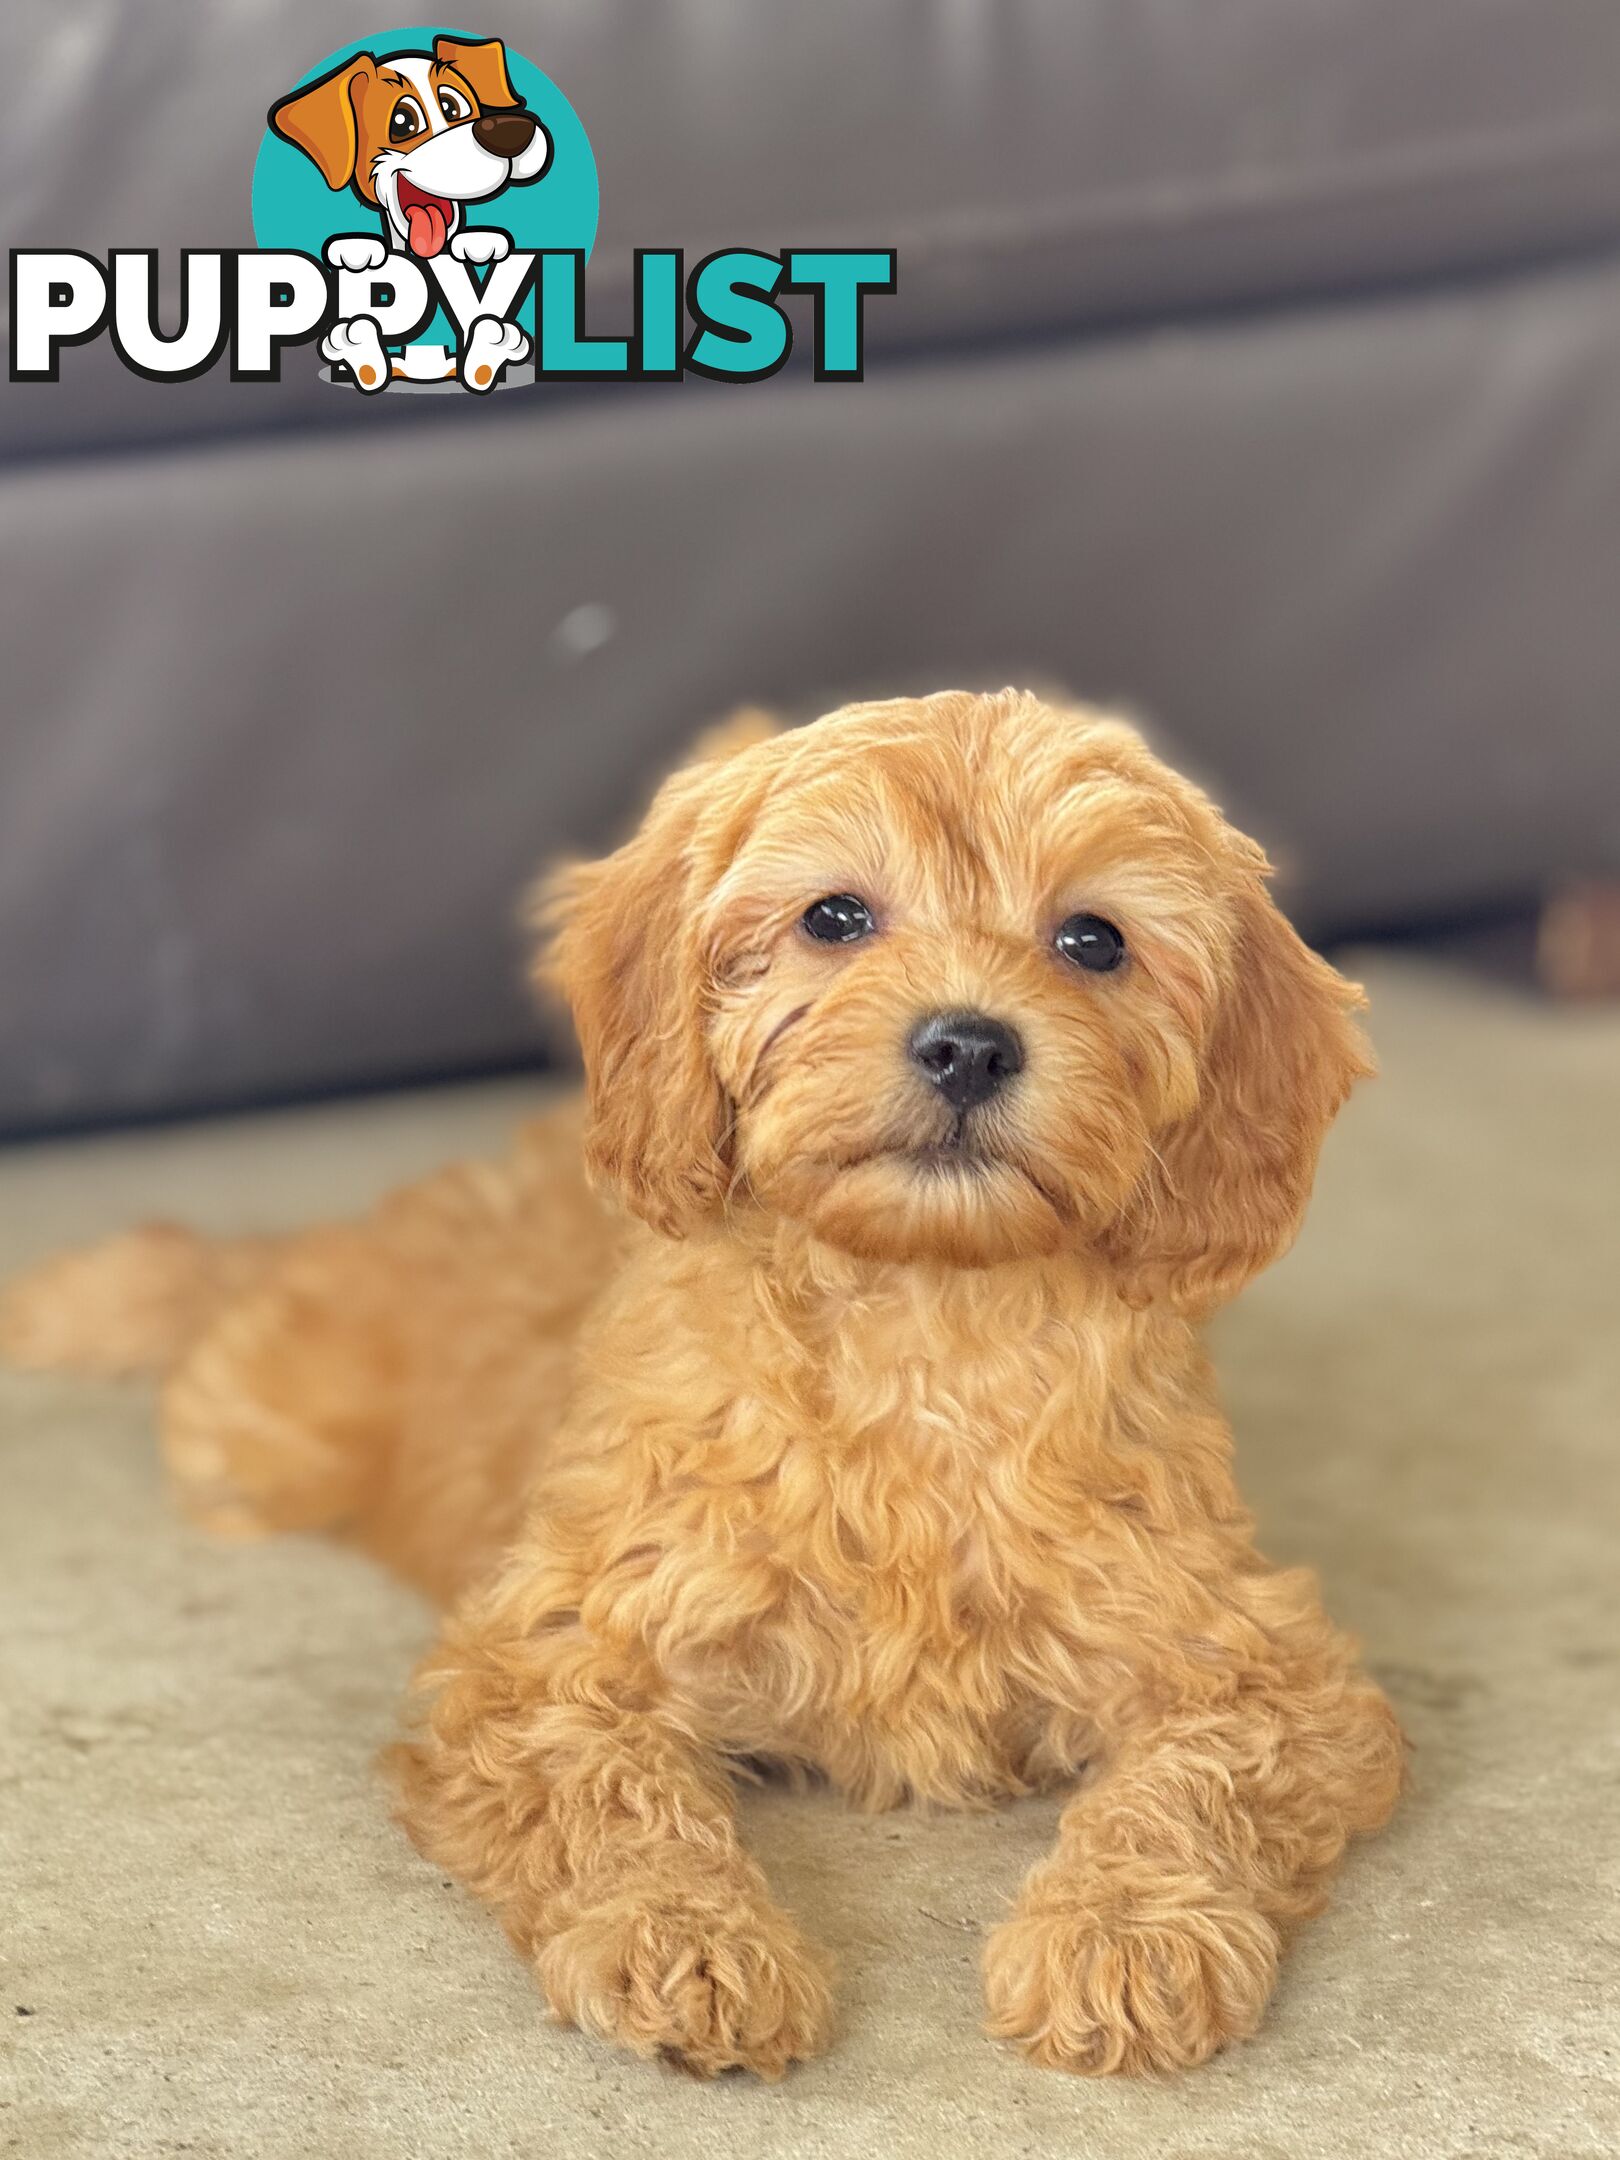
point(1256, 366)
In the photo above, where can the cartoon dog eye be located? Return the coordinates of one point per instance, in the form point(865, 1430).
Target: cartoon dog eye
point(453, 105)
point(406, 119)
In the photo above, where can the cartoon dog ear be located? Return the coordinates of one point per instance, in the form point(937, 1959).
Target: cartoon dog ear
point(320, 119)
point(625, 952)
point(1228, 1186)
point(482, 63)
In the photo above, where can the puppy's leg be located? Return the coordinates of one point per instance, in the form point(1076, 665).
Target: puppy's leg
point(280, 1416)
point(491, 347)
point(357, 345)
point(1152, 1935)
point(367, 1389)
point(481, 244)
point(554, 1781)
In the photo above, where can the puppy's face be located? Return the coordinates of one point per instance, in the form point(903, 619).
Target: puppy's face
point(418, 134)
point(960, 980)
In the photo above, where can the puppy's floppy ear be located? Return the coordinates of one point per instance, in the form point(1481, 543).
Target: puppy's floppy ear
point(482, 63)
point(625, 951)
point(320, 119)
point(1227, 1189)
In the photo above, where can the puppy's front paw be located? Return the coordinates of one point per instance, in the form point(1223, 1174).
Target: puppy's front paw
point(356, 251)
point(696, 1969)
point(491, 346)
point(481, 244)
point(1124, 1968)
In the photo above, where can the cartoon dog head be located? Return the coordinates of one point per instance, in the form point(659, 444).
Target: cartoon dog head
point(416, 135)
point(960, 980)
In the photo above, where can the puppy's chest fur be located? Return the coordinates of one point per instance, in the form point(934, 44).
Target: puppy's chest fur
point(903, 1530)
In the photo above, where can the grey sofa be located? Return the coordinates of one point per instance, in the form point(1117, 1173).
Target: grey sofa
point(1256, 365)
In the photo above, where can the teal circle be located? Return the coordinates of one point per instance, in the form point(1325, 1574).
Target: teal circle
point(294, 208)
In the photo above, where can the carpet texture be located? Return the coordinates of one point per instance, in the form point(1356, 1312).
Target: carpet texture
point(213, 1942)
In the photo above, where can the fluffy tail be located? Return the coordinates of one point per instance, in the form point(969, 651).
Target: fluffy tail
point(134, 1304)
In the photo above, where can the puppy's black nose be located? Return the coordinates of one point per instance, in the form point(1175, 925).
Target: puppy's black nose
point(967, 1055)
point(506, 134)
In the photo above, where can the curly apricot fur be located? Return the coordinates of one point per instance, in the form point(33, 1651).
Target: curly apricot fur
point(862, 1450)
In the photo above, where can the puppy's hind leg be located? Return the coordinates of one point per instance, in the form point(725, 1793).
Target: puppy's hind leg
point(278, 1361)
point(358, 346)
point(281, 1417)
point(491, 347)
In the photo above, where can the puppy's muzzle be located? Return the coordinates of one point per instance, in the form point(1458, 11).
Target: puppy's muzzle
point(504, 134)
point(968, 1056)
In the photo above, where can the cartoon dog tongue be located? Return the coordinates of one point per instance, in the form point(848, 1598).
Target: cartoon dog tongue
point(428, 227)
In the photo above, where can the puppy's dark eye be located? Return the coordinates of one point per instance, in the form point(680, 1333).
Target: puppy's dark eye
point(1091, 943)
point(838, 920)
point(454, 106)
point(406, 119)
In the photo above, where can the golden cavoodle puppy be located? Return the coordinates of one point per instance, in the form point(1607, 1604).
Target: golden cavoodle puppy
point(949, 1064)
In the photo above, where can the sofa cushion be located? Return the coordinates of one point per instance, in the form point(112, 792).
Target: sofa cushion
point(264, 819)
point(1037, 163)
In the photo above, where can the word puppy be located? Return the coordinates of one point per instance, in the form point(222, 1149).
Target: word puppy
point(946, 1065)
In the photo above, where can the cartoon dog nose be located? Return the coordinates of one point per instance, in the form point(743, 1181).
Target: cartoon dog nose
point(966, 1055)
point(506, 134)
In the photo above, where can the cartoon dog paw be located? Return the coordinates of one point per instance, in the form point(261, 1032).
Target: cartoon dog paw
point(492, 346)
point(481, 244)
point(356, 251)
point(357, 346)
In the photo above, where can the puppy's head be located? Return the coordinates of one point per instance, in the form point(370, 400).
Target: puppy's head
point(418, 134)
point(961, 979)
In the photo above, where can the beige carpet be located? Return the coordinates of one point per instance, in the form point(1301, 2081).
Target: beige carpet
point(212, 1941)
